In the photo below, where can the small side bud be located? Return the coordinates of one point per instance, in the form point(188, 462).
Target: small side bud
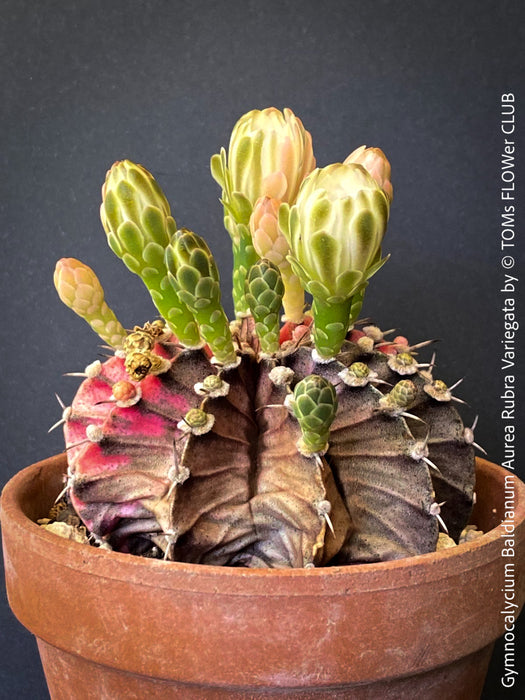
point(80, 289)
point(357, 375)
point(212, 386)
point(403, 363)
point(197, 422)
point(314, 405)
point(126, 394)
point(399, 399)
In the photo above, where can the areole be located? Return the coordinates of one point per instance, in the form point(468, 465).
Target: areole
point(111, 625)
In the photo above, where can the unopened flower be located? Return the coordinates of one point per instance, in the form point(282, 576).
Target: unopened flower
point(335, 230)
point(80, 289)
point(357, 375)
point(270, 153)
point(376, 163)
point(267, 238)
point(126, 394)
point(212, 386)
point(270, 244)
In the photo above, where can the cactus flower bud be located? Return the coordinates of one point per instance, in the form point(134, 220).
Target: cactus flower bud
point(126, 394)
point(197, 422)
point(129, 189)
point(270, 243)
point(194, 277)
point(376, 163)
point(268, 240)
point(264, 293)
point(138, 223)
point(335, 230)
point(314, 404)
point(79, 288)
point(269, 155)
point(399, 398)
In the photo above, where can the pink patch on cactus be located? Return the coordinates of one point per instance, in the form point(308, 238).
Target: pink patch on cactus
point(121, 458)
point(161, 391)
point(113, 369)
point(135, 422)
point(95, 461)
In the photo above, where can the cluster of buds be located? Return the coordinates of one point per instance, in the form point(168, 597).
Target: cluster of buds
point(269, 155)
point(294, 228)
point(322, 227)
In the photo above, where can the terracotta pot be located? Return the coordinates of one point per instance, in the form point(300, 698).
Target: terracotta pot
point(111, 625)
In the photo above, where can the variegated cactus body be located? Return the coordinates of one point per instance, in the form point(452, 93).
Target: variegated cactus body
point(243, 492)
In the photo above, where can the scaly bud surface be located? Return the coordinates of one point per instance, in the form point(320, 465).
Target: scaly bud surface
point(138, 223)
point(194, 278)
point(270, 153)
point(264, 293)
point(314, 405)
point(79, 288)
point(335, 230)
point(270, 243)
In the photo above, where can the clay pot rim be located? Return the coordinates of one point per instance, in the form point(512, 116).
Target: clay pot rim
point(333, 580)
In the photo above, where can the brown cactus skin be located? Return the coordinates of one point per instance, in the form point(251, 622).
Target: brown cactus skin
point(240, 494)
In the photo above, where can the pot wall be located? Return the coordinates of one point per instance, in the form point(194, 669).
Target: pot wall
point(300, 632)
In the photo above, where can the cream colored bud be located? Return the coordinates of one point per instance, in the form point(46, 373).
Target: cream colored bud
point(270, 154)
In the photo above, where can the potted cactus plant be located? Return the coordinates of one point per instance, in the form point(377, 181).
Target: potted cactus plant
point(271, 480)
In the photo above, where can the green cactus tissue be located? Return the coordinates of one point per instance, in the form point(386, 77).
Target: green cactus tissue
point(294, 435)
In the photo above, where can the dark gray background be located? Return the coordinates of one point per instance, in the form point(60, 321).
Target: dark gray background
point(88, 82)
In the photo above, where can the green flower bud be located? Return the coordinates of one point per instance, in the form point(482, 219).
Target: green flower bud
point(264, 294)
point(138, 223)
point(314, 405)
point(194, 277)
point(269, 243)
point(399, 398)
point(270, 154)
point(335, 230)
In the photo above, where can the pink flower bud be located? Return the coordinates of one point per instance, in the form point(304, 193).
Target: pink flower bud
point(375, 161)
point(268, 240)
